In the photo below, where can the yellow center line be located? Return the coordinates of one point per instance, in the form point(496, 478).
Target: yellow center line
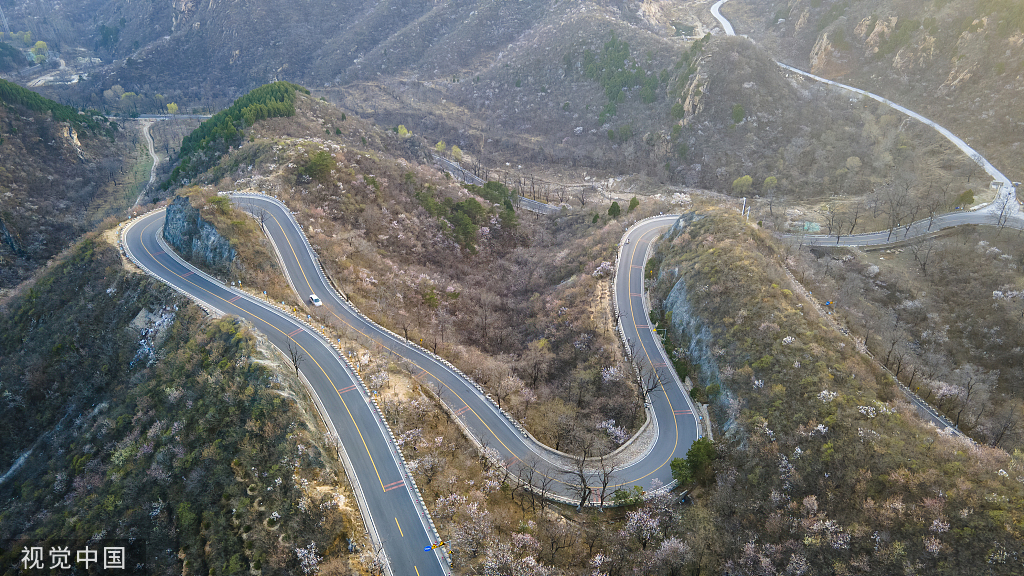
point(292, 248)
point(386, 347)
point(399, 527)
point(416, 569)
point(329, 379)
point(457, 395)
point(632, 314)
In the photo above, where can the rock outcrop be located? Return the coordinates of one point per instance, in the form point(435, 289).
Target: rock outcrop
point(688, 326)
point(196, 239)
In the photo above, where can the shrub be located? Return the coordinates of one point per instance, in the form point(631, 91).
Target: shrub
point(319, 166)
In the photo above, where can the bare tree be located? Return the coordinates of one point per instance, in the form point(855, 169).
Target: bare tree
point(974, 381)
point(605, 476)
point(922, 252)
point(770, 190)
point(582, 475)
point(934, 206)
point(896, 200)
point(911, 214)
point(258, 212)
point(894, 335)
point(296, 356)
point(546, 480)
point(1003, 203)
point(832, 220)
point(581, 195)
point(383, 299)
point(647, 381)
point(560, 536)
point(977, 162)
point(524, 474)
point(488, 302)
point(1007, 425)
point(853, 215)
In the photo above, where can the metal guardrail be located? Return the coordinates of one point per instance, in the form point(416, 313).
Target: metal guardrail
point(914, 398)
point(510, 420)
point(459, 172)
point(354, 374)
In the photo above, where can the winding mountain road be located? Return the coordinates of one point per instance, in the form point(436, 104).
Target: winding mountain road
point(914, 230)
point(395, 516)
point(1005, 210)
point(387, 498)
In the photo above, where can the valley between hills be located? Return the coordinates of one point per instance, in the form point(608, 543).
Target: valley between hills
point(517, 361)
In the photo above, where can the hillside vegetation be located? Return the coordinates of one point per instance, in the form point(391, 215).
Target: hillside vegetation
point(823, 468)
point(959, 349)
point(59, 171)
point(810, 152)
point(521, 303)
point(216, 52)
point(958, 63)
point(126, 414)
point(11, 58)
point(205, 145)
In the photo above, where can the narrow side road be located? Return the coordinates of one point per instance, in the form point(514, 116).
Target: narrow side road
point(146, 125)
point(1005, 205)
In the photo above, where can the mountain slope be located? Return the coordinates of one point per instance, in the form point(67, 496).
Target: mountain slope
point(215, 51)
point(959, 63)
point(57, 175)
point(127, 414)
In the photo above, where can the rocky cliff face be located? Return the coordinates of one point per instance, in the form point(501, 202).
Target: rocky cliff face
point(196, 239)
point(688, 326)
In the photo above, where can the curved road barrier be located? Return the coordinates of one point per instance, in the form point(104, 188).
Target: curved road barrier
point(396, 518)
point(392, 508)
point(493, 429)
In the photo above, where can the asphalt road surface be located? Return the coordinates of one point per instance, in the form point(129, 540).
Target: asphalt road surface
point(389, 506)
point(919, 228)
point(491, 427)
point(388, 499)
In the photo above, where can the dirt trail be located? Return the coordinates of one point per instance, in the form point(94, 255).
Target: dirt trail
point(146, 125)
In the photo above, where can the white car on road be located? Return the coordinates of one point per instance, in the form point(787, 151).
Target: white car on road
point(314, 300)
